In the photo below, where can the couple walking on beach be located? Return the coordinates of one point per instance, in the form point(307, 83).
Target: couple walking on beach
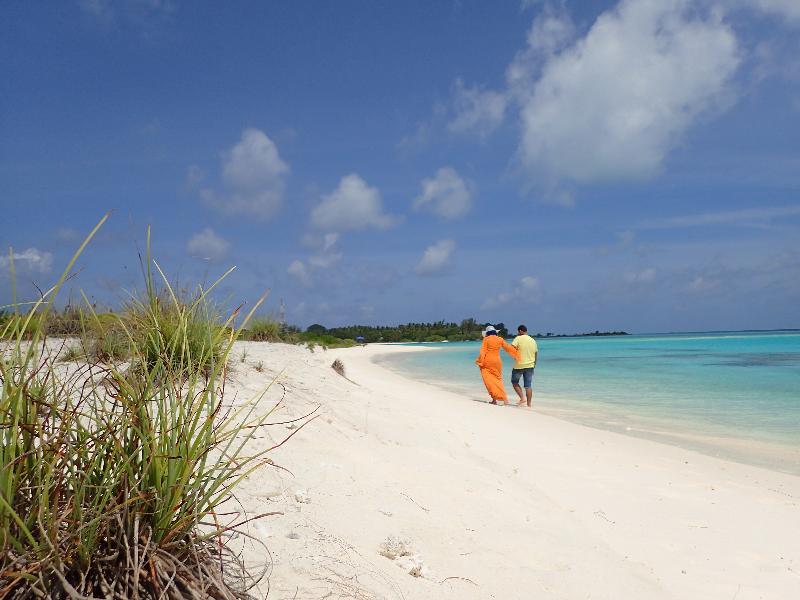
point(524, 351)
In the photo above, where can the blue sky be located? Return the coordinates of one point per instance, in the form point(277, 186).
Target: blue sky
point(571, 165)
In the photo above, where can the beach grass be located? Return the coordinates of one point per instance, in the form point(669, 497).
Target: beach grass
point(264, 329)
point(112, 473)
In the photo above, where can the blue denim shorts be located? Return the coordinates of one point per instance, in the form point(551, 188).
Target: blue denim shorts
point(526, 374)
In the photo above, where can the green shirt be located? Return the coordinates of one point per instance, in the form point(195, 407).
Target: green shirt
point(527, 351)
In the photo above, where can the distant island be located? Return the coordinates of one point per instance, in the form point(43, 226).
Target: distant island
point(439, 331)
point(588, 334)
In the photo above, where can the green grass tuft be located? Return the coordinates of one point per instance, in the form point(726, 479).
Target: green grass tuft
point(263, 329)
point(107, 471)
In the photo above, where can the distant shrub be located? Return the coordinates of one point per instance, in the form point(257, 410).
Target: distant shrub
point(435, 338)
point(21, 325)
point(263, 329)
point(327, 340)
point(68, 321)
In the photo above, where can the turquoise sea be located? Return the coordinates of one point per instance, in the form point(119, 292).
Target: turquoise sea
point(729, 394)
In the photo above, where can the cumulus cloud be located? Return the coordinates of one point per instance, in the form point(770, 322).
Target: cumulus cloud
point(525, 291)
point(32, 260)
point(352, 206)
point(299, 272)
point(611, 105)
point(253, 175)
point(476, 110)
point(436, 258)
point(446, 194)
point(550, 32)
point(207, 245)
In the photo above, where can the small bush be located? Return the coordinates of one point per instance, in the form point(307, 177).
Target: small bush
point(69, 321)
point(264, 330)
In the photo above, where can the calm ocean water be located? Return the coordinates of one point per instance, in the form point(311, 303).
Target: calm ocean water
point(735, 395)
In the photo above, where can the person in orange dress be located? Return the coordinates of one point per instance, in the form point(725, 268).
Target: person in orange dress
point(491, 365)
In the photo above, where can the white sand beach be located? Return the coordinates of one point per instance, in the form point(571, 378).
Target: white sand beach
point(495, 502)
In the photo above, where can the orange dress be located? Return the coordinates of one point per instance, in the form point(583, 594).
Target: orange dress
point(492, 367)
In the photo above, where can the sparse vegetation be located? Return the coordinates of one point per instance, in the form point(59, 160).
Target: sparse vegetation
point(338, 366)
point(264, 330)
point(107, 471)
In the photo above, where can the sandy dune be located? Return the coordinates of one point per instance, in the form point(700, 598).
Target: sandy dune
point(495, 502)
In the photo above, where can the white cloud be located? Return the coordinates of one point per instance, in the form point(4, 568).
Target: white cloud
point(299, 271)
point(446, 194)
point(436, 258)
point(476, 111)
point(353, 205)
point(31, 259)
point(327, 256)
point(701, 284)
point(207, 245)
point(550, 32)
point(525, 291)
point(253, 173)
point(789, 9)
point(99, 9)
point(146, 15)
point(324, 261)
point(614, 103)
point(647, 275)
point(748, 217)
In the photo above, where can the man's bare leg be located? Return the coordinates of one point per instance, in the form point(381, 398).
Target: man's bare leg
point(518, 389)
point(529, 394)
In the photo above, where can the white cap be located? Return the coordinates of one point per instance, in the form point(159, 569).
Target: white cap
point(488, 329)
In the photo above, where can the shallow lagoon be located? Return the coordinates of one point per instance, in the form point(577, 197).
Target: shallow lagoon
point(733, 394)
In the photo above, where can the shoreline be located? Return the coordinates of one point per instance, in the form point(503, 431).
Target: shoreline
point(497, 503)
point(724, 444)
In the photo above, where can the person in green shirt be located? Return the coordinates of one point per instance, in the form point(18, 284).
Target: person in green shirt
point(528, 352)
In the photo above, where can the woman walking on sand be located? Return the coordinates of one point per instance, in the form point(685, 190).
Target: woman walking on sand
point(491, 365)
